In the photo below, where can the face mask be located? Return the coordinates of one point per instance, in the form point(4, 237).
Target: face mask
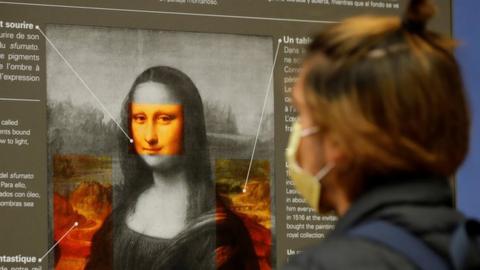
point(307, 185)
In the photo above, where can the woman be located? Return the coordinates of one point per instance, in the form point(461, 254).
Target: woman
point(383, 125)
point(165, 215)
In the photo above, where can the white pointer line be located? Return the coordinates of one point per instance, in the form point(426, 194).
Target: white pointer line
point(83, 82)
point(172, 13)
point(261, 115)
point(59, 240)
point(20, 99)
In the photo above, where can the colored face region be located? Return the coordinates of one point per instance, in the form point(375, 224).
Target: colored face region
point(157, 129)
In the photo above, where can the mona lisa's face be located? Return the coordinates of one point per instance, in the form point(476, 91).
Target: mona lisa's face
point(156, 120)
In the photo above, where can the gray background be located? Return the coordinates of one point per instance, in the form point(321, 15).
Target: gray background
point(232, 70)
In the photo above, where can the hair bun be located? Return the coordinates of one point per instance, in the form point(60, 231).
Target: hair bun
point(417, 15)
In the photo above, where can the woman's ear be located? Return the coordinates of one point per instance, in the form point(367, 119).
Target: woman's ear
point(334, 152)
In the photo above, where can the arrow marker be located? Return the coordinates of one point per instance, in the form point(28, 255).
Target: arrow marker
point(59, 240)
point(261, 116)
point(83, 82)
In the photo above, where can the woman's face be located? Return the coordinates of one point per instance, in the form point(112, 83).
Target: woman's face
point(156, 121)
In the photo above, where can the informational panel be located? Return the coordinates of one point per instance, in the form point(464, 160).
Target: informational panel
point(151, 134)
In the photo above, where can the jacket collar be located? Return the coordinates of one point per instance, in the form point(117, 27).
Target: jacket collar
point(395, 190)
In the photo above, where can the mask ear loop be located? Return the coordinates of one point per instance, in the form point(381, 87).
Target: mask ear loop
point(327, 168)
point(324, 171)
point(309, 131)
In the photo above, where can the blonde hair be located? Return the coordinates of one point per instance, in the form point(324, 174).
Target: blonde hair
point(391, 92)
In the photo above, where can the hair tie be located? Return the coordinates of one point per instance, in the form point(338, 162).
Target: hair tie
point(414, 27)
point(381, 52)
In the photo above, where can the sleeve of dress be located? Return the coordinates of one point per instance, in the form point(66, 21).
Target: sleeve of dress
point(235, 250)
point(101, 251)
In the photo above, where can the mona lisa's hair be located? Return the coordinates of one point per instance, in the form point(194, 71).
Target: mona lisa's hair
point(391, 92)
point(138, 176)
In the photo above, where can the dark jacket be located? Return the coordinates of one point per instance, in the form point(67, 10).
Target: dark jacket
point(424, 207)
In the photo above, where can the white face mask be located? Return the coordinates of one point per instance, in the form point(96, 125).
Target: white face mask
point(307, 185)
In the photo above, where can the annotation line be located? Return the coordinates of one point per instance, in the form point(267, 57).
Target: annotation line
point(173, 13)
point(19, 99)
point(59, 240)
point(84, 83)
point(265, 100)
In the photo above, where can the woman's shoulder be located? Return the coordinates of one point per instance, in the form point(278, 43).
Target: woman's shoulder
point(421, 208)
point(348, 253)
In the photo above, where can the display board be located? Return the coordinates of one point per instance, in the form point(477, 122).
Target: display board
point(151, 134)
